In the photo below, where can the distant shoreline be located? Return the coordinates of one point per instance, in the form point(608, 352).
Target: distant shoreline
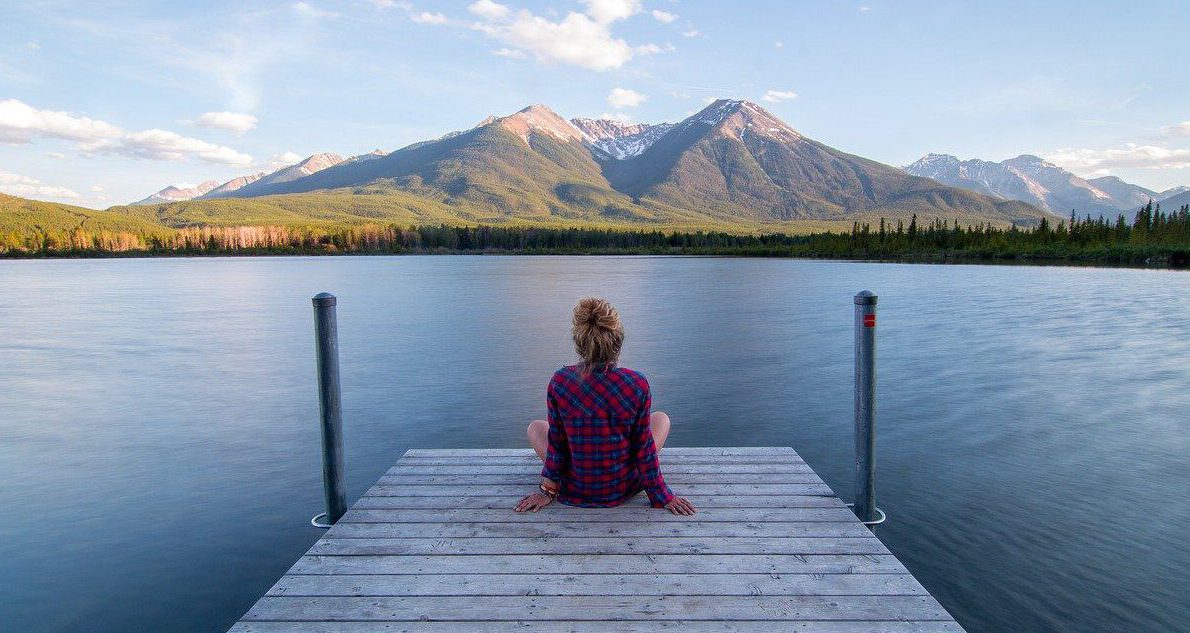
point(1175, 261)
point(1154, 239)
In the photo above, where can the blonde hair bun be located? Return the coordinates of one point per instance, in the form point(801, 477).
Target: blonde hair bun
point(597, 331)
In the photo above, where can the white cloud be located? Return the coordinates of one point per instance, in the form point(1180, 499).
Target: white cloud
point(310, 11)
point(608, 11)
point(489, 10)
point(621, 98)
point(511, 53)
point(391, 4)
point(285, 160)
point(55, 155)
point(691, 33)
point(233, 121)
point(778, 44)
point(97, 189)
point(165, 145)
point(21, 123)
point(26, 187)
point(622, 117)
point(32, 45)
point(653, 49)
point(1131, 156)
point(1181, 129)
point(578, 39)
point(664, 16)
point(865, 9)
point(777, 96)
point(425, 17)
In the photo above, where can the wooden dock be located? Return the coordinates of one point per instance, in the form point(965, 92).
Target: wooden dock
point(435, 546)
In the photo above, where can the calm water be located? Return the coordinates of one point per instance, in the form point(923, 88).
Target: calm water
point(159, 450)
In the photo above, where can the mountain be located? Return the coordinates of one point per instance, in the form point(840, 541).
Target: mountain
point(735, 159)
point(233, 185)
point(1175, 202)
point(620, 140)
point(530, 164)
point(372, 155)
point(22, 216)
point(732, 165)
point(1036, 181)
point(1171, 192)
point(1125, 195)
point(177, 193)
point(310, 165)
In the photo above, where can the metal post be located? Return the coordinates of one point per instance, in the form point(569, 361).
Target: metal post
point(326, 341)
point(865, 408)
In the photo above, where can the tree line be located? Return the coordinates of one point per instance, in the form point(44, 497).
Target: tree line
point(1153, 236)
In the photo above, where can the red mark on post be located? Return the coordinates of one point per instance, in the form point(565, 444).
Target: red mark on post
point(869, 320)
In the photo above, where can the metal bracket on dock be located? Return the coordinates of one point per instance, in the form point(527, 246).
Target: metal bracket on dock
point(882, 519)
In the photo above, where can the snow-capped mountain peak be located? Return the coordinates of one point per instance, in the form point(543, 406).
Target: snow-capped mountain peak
point(618, 139)
point(179, 192)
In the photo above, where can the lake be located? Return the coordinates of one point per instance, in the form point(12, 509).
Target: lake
point(160, 445)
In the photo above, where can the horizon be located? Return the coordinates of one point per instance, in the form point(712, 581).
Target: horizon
point(181, 95)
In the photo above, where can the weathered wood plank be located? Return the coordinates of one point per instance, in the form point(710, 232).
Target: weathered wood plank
point(778, 470)
point(591, 529)
point(635, 514)
point(532, 479)
point(504, 502)
point(599, 608)
point(721, 451)
point(567, 513)
point(435, 546)
point(705, 489)
point(580, 545)
point(666, 460)
point(564, 626)
point(575, 584)
point(604, 564)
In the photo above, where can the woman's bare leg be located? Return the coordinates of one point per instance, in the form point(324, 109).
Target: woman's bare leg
point(659, 425)
point(539, 437)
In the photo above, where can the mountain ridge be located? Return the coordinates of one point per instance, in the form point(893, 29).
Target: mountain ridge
point(1034, 180)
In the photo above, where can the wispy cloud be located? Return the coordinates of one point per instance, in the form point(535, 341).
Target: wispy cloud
point(578, 39)
point(1131, 156)
point(308, 10)
point(158, 144)
point(664, 16)
point(237, 122)
point(26, 187)
point(777, 96)
point(1180, 129)
point(691, 33)
point(21, 123)
point(284, 160)
point(621, 98)
point(426, 17)
point(392, 4)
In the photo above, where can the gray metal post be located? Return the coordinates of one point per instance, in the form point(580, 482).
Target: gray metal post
point(327, 349)
point(865, 407)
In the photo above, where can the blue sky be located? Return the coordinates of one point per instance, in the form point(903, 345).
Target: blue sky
point(104, 103)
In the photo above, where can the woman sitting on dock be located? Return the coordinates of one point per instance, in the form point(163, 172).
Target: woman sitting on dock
point(600, 444)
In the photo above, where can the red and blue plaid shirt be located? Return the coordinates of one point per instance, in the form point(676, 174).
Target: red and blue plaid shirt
point(601, 448)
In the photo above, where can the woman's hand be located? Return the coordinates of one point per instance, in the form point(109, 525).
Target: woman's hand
point(679, 506)
point(534, 502)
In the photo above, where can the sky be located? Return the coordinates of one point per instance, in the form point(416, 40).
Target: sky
point(105, 103)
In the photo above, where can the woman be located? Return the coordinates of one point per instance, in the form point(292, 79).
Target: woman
point(600, 444)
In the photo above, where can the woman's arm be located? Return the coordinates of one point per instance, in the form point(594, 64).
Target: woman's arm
point(645, 451)
point(557, 456)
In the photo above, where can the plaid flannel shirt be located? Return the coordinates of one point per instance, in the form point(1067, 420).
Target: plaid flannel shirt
point(601, 448)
